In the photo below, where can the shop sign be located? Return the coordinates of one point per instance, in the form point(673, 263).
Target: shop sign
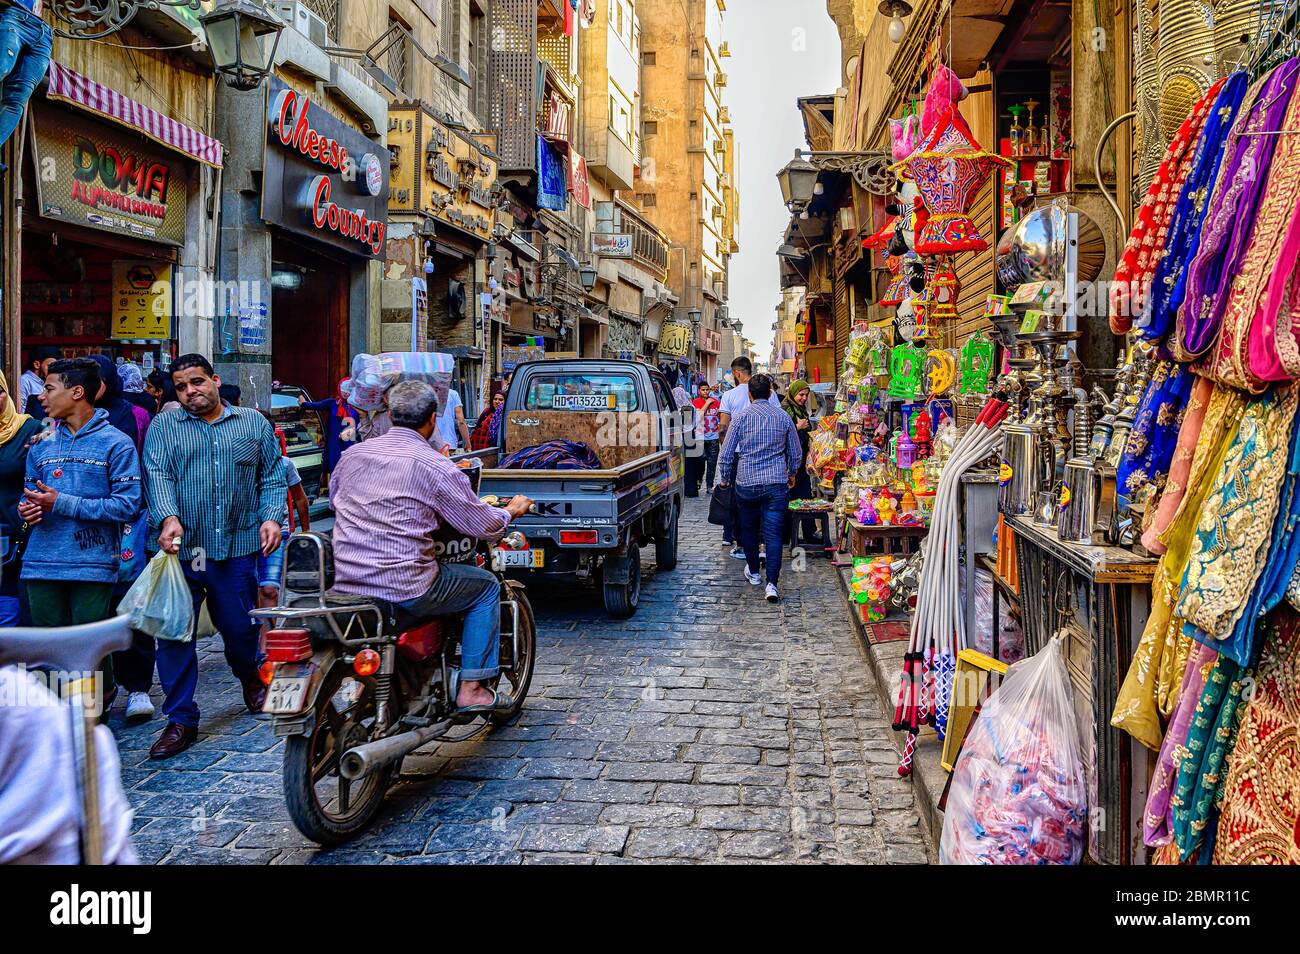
point(513, 356)
point(322, 178)
point(439, 172)
point(710, 341)
point(142, 300)
point(99, 176)
point(611, 244)
point(675, 339)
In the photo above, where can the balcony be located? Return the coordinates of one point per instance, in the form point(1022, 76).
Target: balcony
point(724, 115)
point(526, 34)
point(720, 79)
point(610, 158)
point(649, 250)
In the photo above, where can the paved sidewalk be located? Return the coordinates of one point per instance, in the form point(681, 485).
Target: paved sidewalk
point(712, 726)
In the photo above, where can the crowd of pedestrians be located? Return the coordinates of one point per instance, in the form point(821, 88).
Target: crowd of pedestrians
point(110, 469)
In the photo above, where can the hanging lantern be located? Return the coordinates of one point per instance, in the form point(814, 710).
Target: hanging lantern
point(881, 238)
point(906, 361)
point(949, 168)
point(976, 364)
point(921, 311)
point(905, 320)
point(940, 373)
point(944, 289)
point(897, 289)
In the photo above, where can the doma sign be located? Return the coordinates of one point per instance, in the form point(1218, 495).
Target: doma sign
point(322, 178)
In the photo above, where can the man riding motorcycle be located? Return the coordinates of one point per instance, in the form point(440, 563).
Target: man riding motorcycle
point(389, 494)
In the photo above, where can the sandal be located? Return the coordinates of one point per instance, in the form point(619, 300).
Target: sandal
point(500, 701)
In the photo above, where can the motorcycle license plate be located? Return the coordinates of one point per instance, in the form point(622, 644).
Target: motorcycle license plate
point(517, 559)
point(287, 693)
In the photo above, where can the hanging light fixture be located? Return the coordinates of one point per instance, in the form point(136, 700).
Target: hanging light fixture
point(243, 36)
point(895, 10)
point(797, 179)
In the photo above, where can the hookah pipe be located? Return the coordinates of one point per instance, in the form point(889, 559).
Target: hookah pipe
point(923, 696)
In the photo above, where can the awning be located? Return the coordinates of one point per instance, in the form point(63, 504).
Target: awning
point(70, 86)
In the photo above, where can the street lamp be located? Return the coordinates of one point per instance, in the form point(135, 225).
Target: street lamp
point(694, 315)
point(587, 275)
point(895, 10)
point(798, 180)
point(237, 32)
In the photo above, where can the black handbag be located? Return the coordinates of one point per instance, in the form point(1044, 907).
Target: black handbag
point(722, 505)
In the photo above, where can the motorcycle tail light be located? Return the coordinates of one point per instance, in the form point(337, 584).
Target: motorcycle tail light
point(287, 645)
point(266, 672)
point(366, 663)
point(578, 536)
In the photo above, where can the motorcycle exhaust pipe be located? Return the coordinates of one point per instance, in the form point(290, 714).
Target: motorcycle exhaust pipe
point(362, 760)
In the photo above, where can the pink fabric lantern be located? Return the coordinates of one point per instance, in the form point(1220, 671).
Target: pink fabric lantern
point(949, 168)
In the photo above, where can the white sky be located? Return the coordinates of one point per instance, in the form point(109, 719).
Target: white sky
point(780, 50)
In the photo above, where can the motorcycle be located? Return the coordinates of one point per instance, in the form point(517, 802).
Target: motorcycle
point(355, 683)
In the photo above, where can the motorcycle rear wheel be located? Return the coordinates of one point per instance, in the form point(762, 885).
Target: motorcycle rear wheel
point(519, 677)
point(324, 806)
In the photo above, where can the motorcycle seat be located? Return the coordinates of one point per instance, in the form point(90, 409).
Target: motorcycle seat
point(396, 618)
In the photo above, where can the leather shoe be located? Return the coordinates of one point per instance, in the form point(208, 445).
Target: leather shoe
point(175, 739)
point(254, 696)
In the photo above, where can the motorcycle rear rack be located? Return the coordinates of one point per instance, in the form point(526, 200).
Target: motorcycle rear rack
point(330, 614)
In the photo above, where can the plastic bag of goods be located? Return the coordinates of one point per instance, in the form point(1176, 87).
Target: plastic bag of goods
point(1018, 794)
point(432, 367)
point(365, 389)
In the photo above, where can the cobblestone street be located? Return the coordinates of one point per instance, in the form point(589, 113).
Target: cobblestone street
point(712, 726)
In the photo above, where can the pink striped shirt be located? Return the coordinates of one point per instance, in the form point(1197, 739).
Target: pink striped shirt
point(389, 494)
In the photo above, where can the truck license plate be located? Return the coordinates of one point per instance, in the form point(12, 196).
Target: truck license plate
point(288, 690)
point(517, 559)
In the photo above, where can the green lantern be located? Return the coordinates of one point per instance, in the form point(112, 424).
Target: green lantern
point(906, 362)
point(976, 364)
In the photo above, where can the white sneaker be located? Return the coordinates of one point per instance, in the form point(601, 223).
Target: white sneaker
point(772, 595)
point(139, 708)
point(753, 578)
point(737, 552)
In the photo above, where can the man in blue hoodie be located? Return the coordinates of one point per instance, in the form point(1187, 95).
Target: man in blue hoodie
point(82, 485)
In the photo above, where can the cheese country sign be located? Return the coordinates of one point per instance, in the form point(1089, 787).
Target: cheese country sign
point(440, 171)
point(322, 178)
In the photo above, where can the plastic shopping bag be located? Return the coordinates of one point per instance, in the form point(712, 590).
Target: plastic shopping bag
point(1018, 794)
point(159, 601)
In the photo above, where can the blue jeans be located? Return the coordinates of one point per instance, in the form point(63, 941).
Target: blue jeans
point(230, 587)
point(10, 610)
point(25, 41)
point(762, 516)
point(461, 588)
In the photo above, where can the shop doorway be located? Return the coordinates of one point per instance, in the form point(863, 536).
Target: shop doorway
point(309, 319)
point(86, 297)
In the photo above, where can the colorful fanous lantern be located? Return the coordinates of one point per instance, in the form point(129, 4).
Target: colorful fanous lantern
point(881, 238)
point(976, 364)
point(949, 168)
point(906, 362)
point(897, 289)
point(944, 289)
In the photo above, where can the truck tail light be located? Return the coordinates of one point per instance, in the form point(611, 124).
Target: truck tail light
point(287, 645)
point(577, 536)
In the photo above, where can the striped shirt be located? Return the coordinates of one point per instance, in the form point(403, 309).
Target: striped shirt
point(390, 493)
point(768, 444)
point(222, 481)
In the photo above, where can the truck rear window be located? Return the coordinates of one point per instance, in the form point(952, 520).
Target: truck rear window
point(581, 392)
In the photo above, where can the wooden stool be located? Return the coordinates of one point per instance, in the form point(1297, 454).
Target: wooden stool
point(823, 520)
point(867, 540)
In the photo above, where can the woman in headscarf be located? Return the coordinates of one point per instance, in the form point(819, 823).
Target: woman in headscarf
point(487, 429)
point(121, 412)
point(17, 431)
point(133, 388)
point(796, 405)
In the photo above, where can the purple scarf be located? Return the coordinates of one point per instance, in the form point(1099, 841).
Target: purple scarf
point(1237, 195)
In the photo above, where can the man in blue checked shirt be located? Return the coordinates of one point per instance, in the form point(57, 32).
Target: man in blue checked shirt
point(761, 454)
point(216, 490)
